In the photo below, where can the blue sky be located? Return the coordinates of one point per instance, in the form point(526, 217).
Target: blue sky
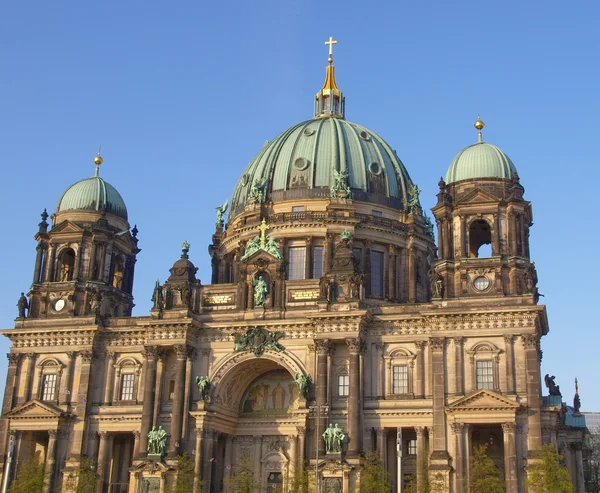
point(181, 96)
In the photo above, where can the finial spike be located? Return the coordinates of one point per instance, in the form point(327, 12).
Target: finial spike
point(98, 161)
point(479, 126)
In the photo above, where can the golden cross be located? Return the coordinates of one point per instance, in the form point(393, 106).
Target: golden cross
point(263, 230)
point(331, 42)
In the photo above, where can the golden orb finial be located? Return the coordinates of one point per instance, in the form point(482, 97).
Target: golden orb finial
point(98, 160)
point(479, 126)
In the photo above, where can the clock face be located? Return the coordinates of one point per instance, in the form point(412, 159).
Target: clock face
point(481, 283)
point(59, 305)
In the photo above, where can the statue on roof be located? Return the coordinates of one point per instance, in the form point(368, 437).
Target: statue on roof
point(553, 389)
point(204, 385)
point(257, 193)
point(413, 205)
point(221, 210)
point(340, 189)
point(576, 399)
point(158, 299)
point(428, 224)
point(22, 305)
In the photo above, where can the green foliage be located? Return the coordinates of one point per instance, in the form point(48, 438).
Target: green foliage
point(546, 475)
point(485, 475)
point(30, 477)
point(591, 457)
point(243, 479)
point(373, 476)
point(87, 476)
point(302, 482)
point(185, 474)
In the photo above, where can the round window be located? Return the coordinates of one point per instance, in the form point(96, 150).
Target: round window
point(244, 179)
point(308, 131)
point(364, 135)
point(59, 305)
point(301, 163)
point(375, 169)
point(481, 283)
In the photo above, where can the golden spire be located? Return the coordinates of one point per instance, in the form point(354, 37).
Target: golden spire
point(98, 161)
point(479, 126)
point(329, 101)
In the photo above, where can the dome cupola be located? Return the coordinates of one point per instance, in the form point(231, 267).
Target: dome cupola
point(480, 160)
point(93, 194)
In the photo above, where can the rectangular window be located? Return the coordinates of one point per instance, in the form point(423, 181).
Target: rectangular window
point(485, 376)
point(400, 379)
point(171, 390)
point(49, 387)
point(343, 385)
point(298, 208)
point(412, 447)
point(377, 213)
point(127, 386)
point(376, 273)
point(297, 263)
point(317, 267)
point(357, 252)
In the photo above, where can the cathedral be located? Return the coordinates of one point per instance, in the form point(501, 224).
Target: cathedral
point(334, 325)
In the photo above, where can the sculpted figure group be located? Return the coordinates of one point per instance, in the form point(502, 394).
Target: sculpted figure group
point(334, 438)
point(157, 441)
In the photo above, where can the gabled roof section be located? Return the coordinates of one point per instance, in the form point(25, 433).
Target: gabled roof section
point(477, 196)
point(67, 227)
point(36, 410)
point(482, 400)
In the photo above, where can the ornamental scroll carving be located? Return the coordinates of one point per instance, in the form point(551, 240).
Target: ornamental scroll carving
point(258, 340)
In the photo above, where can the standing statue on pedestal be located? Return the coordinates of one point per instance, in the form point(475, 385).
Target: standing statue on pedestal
point(204, 385)
point(157, 441)
point(158, 299)
point(22, 305)
point(260, 292)
point(303, 382)
point(334, 437)
point(221, 213)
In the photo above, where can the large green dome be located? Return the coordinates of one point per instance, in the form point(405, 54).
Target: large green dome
point(480, 160)
point(92, 194)
point(300, 163)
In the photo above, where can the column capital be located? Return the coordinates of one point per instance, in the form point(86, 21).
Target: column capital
point(13, 358)
point(301, 430)
point(457, 428)
point(530, 341)
point(103, 434)
point(420, 345)
point(420, 431)
point(381, 432)
point(71, 354)
point(136, 434)
point(86, 356)
point(150, 352)
point(181, 350)
point(323, 346)
point(508, 338)
point(111, 356)
point(437, 343)
point(30, 356)
point(458, 340)
point(355, 345)
point(52, 434)
point(509, 427)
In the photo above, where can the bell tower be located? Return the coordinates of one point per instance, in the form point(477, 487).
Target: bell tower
point(483, 226)
point(86, 258)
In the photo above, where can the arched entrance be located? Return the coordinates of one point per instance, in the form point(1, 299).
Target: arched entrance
point(256, 420)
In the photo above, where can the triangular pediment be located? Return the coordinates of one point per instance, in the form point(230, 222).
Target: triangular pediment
point(66, 227)
point(35, 409)
point(150, 466)
point(481, 400)
point(477, 196)
point(262, 254)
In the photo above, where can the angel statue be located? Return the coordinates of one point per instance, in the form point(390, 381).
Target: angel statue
point(221, 210)
point(260, 292)
point(303, 382)
point(340, 189)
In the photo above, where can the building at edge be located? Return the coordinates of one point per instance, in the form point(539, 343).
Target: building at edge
point(329, 304)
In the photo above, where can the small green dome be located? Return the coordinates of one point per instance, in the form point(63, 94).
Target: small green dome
point(480, 160)
point(92, 194)
point(300, 163)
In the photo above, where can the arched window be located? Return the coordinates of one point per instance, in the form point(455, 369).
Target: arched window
point(484, 358)
point(127, 379)
point(480, 234)
point(65, 266)
point(117, 272)
point(50, 372)
point(400, 366)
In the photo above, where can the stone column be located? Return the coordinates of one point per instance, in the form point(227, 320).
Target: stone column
point(392, 272)
point(580, 486)
point(460, 365)
point(228, 459)
point(293, 441)
point(191, 354)
point(510, 364)
point(28, 365)
point(207, 455)
point(468, 448)
point(354, 346)
point(78, 443)
point(136, 443)
point(150, 353)
point(437, 345)
point(323, 348)
point(420, 380)
point(382, 444)
point(510, 457)
point(308, 258)
point(198, 458)
point(301, 446)
point(37, 270)
point(257, 455)
point(380, 370)
point(65, 388)
point(49, 274)
point(459, 458)
point(50, 461)
point(328, 252)
point(102, 460)
point(160, 366)
point(421, 456)
point(412, 282)
point(181, 350)
point(110, 378)
point(102, 261)
point(11, 381)
point(532, 370)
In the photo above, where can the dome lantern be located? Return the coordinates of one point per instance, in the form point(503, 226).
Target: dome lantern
point(329, 101)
